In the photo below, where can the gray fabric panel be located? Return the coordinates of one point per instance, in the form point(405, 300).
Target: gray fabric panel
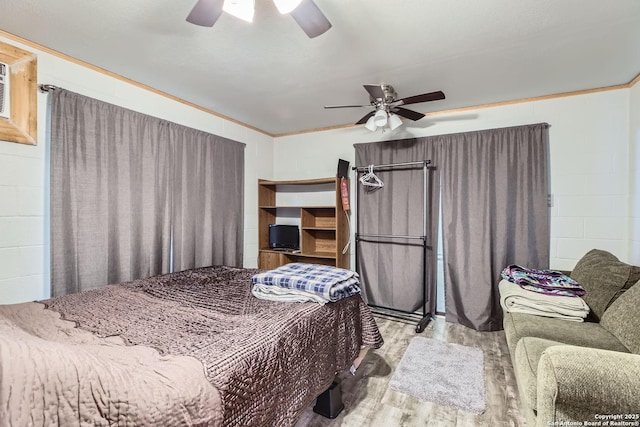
point(113, 178)
point(207, 200)
point(494, 209)
point(110, 203)
point(603, 276)
point(622, 319)
point(494, 213)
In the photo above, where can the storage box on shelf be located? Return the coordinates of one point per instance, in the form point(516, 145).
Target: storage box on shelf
point(324, 229)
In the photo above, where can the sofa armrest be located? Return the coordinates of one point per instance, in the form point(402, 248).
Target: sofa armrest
point(581, 384)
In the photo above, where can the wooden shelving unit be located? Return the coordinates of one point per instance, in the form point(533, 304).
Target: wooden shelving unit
point(323, 229)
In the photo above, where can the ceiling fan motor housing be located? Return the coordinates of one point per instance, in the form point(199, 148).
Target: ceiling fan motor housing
point(390, 96)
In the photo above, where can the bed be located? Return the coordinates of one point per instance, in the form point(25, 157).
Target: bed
point(187, 348)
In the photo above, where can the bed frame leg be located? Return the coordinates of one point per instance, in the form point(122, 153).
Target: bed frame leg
point(329, 403)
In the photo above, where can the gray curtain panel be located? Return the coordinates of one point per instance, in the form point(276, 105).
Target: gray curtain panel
point(391, 269)
point(113, 184)
point(494, 213)
point(110, 199)
point(207, 200)
point(494, 187)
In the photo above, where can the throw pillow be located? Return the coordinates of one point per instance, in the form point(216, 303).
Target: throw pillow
point(622, 319)
point(603, 276)
point(634, 276)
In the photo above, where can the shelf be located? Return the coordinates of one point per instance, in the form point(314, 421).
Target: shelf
point(318, 241)
point(320, 228)
point(327, 255)
point(275, 251)
point(318, 218)
point(323, 228)
point(299, 181)
point(296, 207)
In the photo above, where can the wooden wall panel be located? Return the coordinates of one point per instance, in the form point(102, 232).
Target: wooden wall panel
point(23, 86)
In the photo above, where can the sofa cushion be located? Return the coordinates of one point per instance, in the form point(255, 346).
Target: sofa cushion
point(604, 277)
point(584, 334)
point(576, 383)
point(527, 356)
point(622, 319)
point(634, 277)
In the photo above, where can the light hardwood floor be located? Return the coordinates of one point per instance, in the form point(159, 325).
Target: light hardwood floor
point(369, 402)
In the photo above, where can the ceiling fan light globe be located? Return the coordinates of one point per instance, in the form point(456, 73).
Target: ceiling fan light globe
point(371, 124)
point(380, 118)
point(243, 9)
point(394, 121)
point(286, 6)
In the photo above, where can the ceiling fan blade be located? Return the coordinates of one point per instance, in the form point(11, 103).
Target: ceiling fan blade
point(346, 106)
point(206, 12)
point(409, 114)
point(365, 118)
point(425, 97)
point(375, 91)
point(311, 19)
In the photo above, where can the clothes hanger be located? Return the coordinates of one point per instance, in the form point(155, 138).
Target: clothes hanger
point(370, 179)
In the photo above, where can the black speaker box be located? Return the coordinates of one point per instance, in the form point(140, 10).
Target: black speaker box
point(343, 169)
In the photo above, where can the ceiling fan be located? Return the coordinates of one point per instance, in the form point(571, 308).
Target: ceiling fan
point(305, 12)
point(387, 107)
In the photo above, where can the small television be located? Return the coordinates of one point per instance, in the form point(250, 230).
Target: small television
point(284, 237)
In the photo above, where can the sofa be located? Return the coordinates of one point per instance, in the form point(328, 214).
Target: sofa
point(578, 373)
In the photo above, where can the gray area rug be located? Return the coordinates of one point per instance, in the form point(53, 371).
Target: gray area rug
point(443, 373)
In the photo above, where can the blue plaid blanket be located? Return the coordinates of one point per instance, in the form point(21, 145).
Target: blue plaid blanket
point(326, 282)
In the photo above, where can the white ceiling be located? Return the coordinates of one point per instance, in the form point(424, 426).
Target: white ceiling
point(271, 76)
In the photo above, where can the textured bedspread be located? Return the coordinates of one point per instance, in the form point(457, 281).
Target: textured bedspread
point(268, 360)
point(54, 374)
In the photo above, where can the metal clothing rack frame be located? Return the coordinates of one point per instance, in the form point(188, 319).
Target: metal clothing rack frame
point(426, 316)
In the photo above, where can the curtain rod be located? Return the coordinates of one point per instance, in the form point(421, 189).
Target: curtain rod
point(48, 88)
point(389, 165)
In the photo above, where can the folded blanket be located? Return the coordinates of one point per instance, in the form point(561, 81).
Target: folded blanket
point(514, 299)
point(276, 293)
point(306, 282)
point(543, 281)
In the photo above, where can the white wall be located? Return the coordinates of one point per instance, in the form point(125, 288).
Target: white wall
point(634, 166)
point(24, 266)
point(589, 151)
point(595, 172)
